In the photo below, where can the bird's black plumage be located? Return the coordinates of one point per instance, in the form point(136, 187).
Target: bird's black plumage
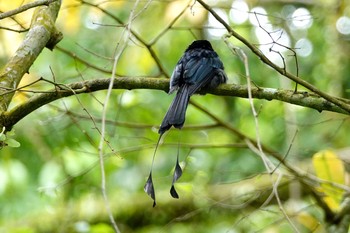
point(200, 67)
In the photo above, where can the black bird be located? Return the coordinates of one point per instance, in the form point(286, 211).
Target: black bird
point(199, 68)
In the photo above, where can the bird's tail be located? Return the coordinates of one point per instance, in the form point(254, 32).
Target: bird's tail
point(176, 113)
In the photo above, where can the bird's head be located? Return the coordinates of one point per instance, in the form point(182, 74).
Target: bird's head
point(200, 44)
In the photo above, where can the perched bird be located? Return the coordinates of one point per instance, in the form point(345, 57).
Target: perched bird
point(199, 68)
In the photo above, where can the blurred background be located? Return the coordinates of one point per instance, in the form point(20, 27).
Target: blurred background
point(52, 181)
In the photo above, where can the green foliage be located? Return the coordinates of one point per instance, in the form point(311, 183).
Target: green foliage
point(50, 177)
point(7, 140)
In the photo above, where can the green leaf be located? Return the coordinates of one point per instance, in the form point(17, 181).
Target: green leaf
point(2, 137)
point(11, 133)
point(12, 143)
point(101, 227)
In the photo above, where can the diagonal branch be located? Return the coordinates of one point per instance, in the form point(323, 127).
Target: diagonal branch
point(25, 7)
point(40, 35)
point(306, 179)
point(268, 62)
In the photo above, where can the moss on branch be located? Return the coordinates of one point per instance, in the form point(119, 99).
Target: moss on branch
point(40, 34)
point(10, 118)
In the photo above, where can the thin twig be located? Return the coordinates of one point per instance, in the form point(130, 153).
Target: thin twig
point(170, 25)
point(104, 113)
point(268, 62)
point(88, 64)
point(14, 30)
point(134, 33)
point(25, 7)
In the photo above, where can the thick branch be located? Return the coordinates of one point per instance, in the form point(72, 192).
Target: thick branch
point(10, 118)
point(40, 35)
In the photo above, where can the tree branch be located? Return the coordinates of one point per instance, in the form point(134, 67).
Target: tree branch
point(10, 118)
point(268, 62)
point(25, 7)
point(40, 35)
point(135, 34)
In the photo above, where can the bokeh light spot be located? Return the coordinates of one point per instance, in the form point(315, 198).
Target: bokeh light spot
point(343, 25)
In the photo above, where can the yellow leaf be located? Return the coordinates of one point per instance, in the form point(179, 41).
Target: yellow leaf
point(310, 222)
point(70, 16)
point(330, 168)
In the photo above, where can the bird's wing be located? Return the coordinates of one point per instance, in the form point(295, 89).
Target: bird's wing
point(200, 70)
point(176, 76)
